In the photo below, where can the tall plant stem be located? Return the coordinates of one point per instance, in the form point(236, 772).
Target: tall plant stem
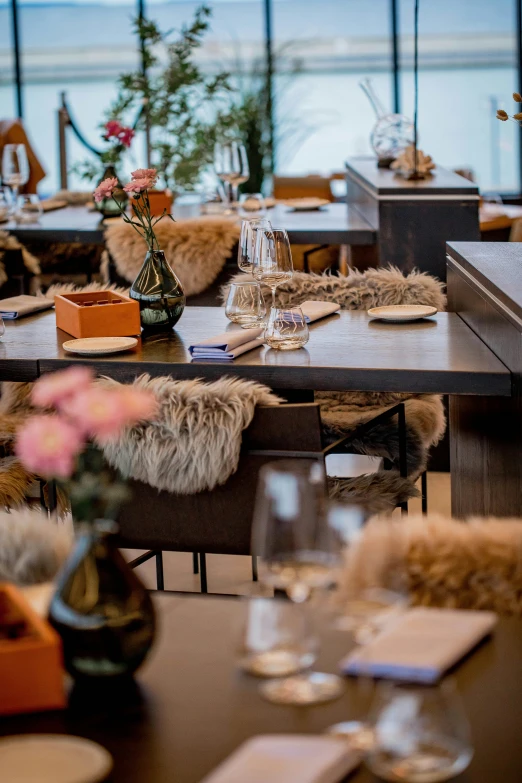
point(415, 86)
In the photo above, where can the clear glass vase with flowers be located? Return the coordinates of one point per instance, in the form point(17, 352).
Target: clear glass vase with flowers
point(100, 608)
point(156, 288)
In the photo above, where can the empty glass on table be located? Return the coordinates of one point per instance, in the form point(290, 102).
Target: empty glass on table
point(248, 242)
point(245, 304)
point(15, 168)
point(28, 209)
point(252, 204)
point(231, 166)
point(286, 329)
point(272, 263)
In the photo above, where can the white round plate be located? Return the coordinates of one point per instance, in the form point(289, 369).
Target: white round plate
point(399, 313)
point(89, 346)
point(305, 204)
point(52, 758)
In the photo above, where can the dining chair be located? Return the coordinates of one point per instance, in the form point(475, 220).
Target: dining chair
point(458, 564)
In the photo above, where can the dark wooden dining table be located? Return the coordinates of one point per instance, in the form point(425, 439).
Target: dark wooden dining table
point(334, 224)
point(192, 706)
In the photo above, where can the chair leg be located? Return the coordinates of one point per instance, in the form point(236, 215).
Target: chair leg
point(424, 491)
point(403, 459)
point(160, 582)
point(195, 563)
point(254, 569)
point(203, 572)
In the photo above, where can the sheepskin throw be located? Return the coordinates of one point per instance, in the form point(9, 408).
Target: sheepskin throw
point(32, 546)
point(374, 493)
point(474, 564)
point(8, 242)
point(195, 442)
point(196, 249)
point(360, 290)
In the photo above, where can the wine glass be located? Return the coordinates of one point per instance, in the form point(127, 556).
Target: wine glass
point(298, 553)
point(421, 734)
point(252, 203)
point(28, 209)
point(286, 329)
point(231, 166)
point(15, 168)
point(272, 262)
point(248, 241)
point(245, 304)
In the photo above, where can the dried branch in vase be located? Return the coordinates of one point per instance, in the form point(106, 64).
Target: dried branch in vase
point(405, 164)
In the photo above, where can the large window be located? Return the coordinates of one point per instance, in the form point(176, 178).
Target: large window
point(467, 59)
point(7, 92)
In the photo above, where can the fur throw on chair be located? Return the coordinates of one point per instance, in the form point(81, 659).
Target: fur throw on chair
point(197, 249)
point(474, 564)
point(374, 493)
point(195, 442)
point(7, 243)
point(32, 546)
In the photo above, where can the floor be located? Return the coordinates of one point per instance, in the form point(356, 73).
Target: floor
point(232, 575)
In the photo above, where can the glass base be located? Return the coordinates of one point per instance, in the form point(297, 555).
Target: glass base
point(357, 734)
point(253, 325)
point(433, 763)
point(304, 689)
point(278, 663)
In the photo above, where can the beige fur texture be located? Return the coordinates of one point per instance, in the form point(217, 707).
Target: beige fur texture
point(195, 442)
point(475, 564)
point(71, 288)
point(196, 249)
point(8, 242)
point(32, 546)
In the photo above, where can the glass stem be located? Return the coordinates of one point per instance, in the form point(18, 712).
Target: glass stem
point(273, 298)
point(15, 190)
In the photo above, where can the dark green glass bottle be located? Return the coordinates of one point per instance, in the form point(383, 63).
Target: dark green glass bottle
point(159, 293)
point(101, 610)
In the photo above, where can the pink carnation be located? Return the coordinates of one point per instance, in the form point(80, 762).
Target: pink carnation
point(113, 129)
point(136, 404)
point(97, 412)
point(51, 390)
point(105, 189)
point(138, 185)
point(151, 174)
point(126, 136)
point(48, 446)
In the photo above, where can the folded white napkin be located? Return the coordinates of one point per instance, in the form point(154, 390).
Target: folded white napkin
point(18, 306)
point(228, 345)
point(287, 758)
point(314, 310)
point(421, 645)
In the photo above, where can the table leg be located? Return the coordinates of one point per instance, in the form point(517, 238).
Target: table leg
point(486, 456)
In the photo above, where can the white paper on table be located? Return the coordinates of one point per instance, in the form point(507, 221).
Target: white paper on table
point(286, 758)
point(421, 645)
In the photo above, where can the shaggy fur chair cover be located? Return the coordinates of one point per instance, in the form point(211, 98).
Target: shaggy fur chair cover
point(342, 412)
point(194, 444)
point(8, 242)
point(32, 546)
point(474, 564)
point(374, 493)
point(196, 249)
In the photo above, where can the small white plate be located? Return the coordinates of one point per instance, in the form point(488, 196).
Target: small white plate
point(305, 204)
point(399, 313)
point(52, 758)
point(90, 346)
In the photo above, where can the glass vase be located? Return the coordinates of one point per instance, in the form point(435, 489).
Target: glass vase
point(101, 610)
point(159, 293)
point(108, 206)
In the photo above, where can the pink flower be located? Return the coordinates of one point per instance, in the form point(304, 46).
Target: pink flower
point(136, 404)
point(97, 412)
point(151, 174)
point(126, 136)
point(138, 185)
point(113, 129)
point(53, 389)
point(48, 446)
point(105, 189)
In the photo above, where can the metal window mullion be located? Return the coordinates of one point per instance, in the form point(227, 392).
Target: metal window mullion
point(396, 66)
point(15, 28)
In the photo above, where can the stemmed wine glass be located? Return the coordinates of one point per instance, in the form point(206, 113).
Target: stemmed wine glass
point(248, 242)
point(231, 166)
point(15, 168)
point(272, 263)
point(299, 553)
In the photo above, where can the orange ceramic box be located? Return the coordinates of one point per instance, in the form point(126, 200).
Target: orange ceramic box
point(159, 201)
point(97, 314)
point(31, 670)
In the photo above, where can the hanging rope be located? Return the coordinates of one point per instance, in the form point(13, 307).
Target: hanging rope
point(415, 86)
point(79, 135)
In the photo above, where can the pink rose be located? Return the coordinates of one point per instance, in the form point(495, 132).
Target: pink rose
point(112, 129)
point(138, 185)
point(126, 136)
point(97, 412)
point(105, 189)
point(136, 404)
point(53, 389)
point(151, 174)
point(48, 446)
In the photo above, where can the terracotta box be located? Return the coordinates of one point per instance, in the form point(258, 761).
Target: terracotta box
point(31, 670)
point(97, 314)
point(159, 201)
